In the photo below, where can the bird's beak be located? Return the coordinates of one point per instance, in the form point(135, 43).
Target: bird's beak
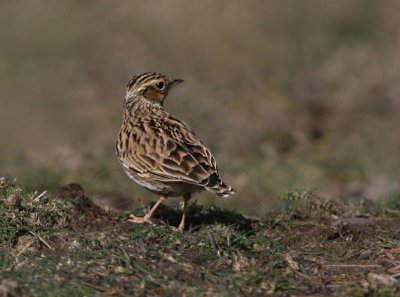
point(176, 82)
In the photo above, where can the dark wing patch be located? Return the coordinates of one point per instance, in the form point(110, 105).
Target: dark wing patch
point(169, 149)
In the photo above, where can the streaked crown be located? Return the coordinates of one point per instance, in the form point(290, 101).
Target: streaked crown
point(151, 86)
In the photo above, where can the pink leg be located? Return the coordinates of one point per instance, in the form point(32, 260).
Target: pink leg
point(185, 205)
point(147, 217)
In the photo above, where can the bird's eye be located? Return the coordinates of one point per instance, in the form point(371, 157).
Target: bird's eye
point(160, 85)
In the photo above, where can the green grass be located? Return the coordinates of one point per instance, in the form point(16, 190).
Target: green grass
point(391, 201)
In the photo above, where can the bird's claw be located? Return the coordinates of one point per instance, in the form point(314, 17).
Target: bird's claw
point(139, 220)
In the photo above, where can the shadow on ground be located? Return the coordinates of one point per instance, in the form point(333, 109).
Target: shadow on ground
point(197, 217)
point(89, 214)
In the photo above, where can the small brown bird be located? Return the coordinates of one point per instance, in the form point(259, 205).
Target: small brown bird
point(160, 152)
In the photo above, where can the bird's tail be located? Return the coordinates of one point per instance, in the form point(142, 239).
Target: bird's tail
point(216, 185)
point(221, 189)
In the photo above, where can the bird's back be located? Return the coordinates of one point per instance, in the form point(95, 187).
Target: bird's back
point(155, 147)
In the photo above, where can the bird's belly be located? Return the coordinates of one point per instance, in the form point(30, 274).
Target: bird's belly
point(149, 185)
point(164, 188)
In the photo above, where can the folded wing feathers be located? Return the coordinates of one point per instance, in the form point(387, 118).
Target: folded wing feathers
point(169, 150)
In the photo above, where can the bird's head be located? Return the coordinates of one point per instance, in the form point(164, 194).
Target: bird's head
point(153, 87)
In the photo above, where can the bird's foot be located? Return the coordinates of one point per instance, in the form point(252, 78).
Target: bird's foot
point(180, 228)
point(176, 229)
point(139, 220)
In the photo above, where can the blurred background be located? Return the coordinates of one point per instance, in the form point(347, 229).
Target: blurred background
point(300, 95)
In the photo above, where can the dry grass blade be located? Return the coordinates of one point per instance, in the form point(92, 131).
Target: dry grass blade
point(41, 239)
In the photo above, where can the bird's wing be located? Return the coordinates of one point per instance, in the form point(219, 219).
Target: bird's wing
point(170, 151)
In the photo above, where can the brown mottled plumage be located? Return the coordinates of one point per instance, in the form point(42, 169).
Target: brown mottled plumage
point(160, 152)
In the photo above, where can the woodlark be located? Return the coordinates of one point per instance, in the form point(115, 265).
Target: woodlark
point(160, 152)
